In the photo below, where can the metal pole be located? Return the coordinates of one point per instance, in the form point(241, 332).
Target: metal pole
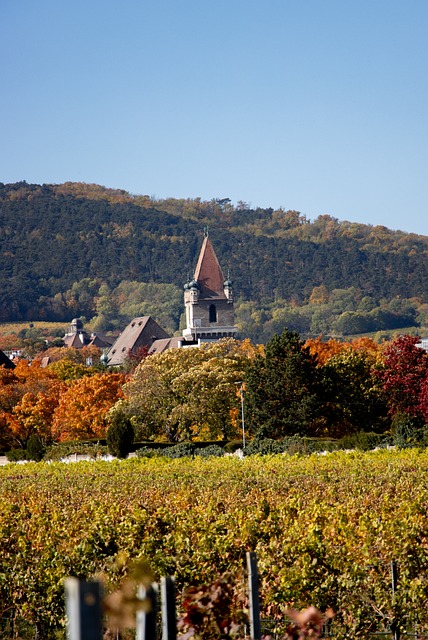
point(241, 393)
point(242, 416)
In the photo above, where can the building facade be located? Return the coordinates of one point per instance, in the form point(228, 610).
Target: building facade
point(208, 300)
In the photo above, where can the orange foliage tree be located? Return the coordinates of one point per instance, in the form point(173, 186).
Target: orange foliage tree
point(28, 395)
point(34, 413)
point(81, 412)
point(324, 350)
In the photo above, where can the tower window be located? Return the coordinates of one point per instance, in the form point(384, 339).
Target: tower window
point(213, 313)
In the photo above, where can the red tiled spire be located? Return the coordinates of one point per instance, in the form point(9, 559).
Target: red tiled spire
point(208, 273)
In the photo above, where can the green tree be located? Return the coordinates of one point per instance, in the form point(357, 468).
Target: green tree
point(282, 390)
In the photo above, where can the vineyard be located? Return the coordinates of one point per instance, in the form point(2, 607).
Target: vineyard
point(325, 529)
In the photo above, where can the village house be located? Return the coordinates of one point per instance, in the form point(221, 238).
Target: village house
point(140, 332)
point(77, 337)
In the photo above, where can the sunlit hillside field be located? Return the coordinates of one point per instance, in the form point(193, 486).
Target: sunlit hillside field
point(325, 529)
point(7, 328)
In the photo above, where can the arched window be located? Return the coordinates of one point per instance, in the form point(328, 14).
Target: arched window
point(213, 313)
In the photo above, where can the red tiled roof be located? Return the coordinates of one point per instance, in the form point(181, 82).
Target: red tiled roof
point(208, 273)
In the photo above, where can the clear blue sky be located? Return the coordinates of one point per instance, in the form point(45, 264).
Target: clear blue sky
point(314, 105)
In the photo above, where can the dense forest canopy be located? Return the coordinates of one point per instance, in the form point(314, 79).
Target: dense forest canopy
point(104, 254)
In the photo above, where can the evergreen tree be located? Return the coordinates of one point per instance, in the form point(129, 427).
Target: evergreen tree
point(120, 435)
point(282, 390)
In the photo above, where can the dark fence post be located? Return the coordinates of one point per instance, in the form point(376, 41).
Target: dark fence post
point(253, 595)
point(83, 608)
point(169, 618)
point(146, 620)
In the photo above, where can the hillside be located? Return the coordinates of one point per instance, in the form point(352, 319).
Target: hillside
point(77, 249)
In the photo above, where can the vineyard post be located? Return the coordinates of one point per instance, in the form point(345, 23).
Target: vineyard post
point(146, 620)
point(83, 608)
point(394, 584)
point(253, 596)
point(169, 619)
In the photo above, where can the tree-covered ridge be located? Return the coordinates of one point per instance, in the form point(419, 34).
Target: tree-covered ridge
point(64, 250)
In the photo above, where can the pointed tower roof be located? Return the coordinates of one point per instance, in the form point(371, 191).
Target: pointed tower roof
point(208, 273)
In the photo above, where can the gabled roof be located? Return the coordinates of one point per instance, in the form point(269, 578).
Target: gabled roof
point(76, 340)
point(208, 273)
point(102, 342)
point(140, 332)
point(5, 361)
point(159, 346)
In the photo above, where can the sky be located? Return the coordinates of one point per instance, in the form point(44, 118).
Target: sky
point(315, 105)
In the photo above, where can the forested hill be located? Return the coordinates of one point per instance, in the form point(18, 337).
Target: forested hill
point(65, 248)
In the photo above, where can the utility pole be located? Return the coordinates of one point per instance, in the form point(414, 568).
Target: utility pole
point(241, 390)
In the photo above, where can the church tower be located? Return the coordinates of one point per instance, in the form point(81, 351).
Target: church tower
point(208, 300)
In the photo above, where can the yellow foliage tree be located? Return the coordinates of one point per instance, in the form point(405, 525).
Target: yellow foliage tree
point(187, 393)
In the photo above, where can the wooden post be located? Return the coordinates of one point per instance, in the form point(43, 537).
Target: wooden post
point(253, 595)
point(169, 620)
point(83, 608)
point(146, 621)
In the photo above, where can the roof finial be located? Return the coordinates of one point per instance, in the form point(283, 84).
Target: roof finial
point(206, 232)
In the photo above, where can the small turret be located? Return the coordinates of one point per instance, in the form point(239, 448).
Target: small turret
point(227, 287)
point(194, 289)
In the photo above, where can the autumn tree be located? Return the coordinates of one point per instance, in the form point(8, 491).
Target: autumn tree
point(34, 414)
point(79, 356)
point(323, 350)
point(70, 370)
point(403, 376)
point(82, 409)
point(423, 399)
point(352, 398)
point(6, 436)
point(28, 395)
point(186, 393)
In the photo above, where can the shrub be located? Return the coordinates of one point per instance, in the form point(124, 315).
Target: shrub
point(211, 450)
point(182, 450)
point(120, 436)
point(264, 446)
point(364, 441)
point(232, 446)
point(148, 452)
point(35, 448)
point(15, 455)
point(296, 444)
point(91, 449)
point(407, 431)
